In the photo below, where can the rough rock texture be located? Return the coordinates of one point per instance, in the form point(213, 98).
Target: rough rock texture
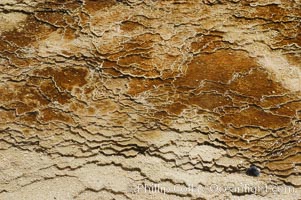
point(150, 99)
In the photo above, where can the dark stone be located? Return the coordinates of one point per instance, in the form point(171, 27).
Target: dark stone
point(253, 171)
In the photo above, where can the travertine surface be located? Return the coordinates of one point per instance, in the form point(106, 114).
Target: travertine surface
point(150, 99)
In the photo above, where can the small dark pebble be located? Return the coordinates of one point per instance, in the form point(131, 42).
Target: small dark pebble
point(253, 171)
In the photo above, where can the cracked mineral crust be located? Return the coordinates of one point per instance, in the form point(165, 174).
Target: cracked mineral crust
point(150, 99)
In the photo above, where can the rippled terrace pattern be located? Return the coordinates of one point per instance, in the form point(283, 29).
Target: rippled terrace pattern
point(103, 99)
